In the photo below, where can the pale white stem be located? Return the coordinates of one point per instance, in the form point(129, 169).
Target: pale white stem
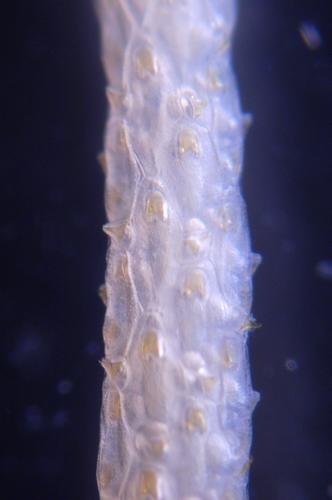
point(177, 397)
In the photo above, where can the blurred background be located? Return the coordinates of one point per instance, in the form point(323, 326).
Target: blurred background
point(53, 111)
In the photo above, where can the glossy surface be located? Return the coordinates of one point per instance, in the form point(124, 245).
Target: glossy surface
point(176, 417)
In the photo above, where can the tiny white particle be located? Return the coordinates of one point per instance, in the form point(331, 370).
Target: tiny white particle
point(310, 35)
point(324, 269)
point(34, 420)
point(291, 365)
point(60, 418)
point(329, 491)
point(64, 386)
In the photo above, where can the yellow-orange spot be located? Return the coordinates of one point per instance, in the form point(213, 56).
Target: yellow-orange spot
point(250, 325)
point(105, 474)
point(148, 484)
point(245, 468)
point(114, 199)
point(195, 285)
point(114, 405)
point(188, 142)
point(150, 345)
point(122, 139)
point(116, 231)
point(195, 420)
point(114, 97)
point(113, 369)
point(227, 360)
point(158, 448)
point(193, 245)
point(229, 353)
point(101, 158)
point(213, 80)
point(102, 292)
point(122, 268)
point(156, 207)
point(111, 331)
point(207, 383)
point(145, 62)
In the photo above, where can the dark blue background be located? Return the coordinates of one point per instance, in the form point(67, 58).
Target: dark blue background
point(53, 111)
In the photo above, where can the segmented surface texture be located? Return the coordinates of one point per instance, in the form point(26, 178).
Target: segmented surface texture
point(177, 397)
